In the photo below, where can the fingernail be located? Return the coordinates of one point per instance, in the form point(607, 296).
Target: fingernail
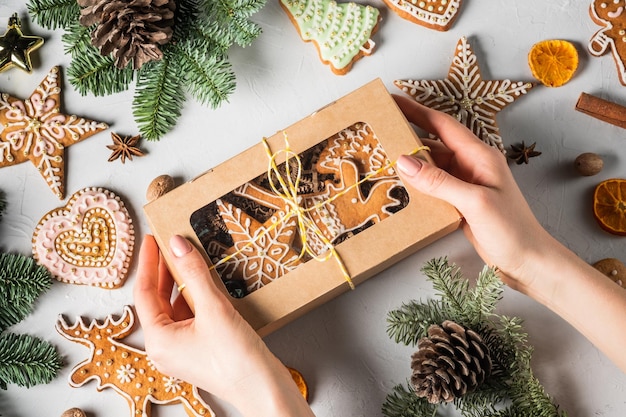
point(409, 166)
point(179, 246)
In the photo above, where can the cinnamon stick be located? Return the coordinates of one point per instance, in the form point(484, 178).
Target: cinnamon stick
point(601, 109)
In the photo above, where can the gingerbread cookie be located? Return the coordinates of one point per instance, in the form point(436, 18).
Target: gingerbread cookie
point(611, 15)
point(261, 252)
point(88, 241)
point(127, 370)
point(614, 269)
point(466, 96)
point(433, 14)
point(341, 32)
point(359, 144)
point(35, 130)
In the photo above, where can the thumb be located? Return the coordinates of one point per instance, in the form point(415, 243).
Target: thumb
point(432, 180)
point(196, 281)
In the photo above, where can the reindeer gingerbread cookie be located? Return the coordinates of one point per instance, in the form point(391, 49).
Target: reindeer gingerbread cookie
point(127, 370)
point(611, 15)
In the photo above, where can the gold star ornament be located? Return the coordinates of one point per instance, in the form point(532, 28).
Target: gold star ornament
point(15, 48)
point(35, 130)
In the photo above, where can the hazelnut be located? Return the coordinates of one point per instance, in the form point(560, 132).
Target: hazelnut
point(73, 412)
point(159, 186)
point(588, 164)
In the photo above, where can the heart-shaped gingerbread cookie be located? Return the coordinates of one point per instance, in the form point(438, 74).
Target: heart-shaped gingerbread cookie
point(433, 14)
point(89, 241)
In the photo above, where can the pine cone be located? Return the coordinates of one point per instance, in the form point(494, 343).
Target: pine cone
point(129, 29)
point(449, 363)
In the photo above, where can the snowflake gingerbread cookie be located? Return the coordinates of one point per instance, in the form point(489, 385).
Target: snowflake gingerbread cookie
point(35, 130)
point(340, 31)
point(125, 369)
point(466, 96)
point(89, 241)
point(611, 15)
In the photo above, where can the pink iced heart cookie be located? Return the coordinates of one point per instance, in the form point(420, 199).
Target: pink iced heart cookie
point(89, 241)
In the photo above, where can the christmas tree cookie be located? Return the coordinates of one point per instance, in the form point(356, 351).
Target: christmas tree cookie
point(341, 32)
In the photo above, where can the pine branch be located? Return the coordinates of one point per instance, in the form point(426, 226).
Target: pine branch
point(488, 292)
point(27, 361)
point(77, 40)
point(54, 14)
point(403, 402)
point(210, 79)
point(244, 31)
point(158, 98)
point(449, 283)
point(22, 281)
point(410, 322)
point(90, 72)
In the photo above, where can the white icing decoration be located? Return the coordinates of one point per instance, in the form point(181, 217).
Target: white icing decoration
point(437, 14)
point(465, 95)
point(340, 31)
point(172, 384)
point(126, 373)
point(36, 129)
point(89, 241)
point(120, 374)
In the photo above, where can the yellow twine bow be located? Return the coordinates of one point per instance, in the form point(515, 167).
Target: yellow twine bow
point(287, 190)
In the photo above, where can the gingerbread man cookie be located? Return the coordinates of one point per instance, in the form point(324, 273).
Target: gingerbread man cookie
point(35, 130)
point(88, 241)
point(611, 15)
point(127, 370)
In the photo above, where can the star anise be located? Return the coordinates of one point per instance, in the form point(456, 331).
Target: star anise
point(124, 147)
point(522, 153)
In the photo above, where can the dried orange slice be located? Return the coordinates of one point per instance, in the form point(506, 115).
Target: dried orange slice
point(553, 62)
point(609, 205)
point(300, 382)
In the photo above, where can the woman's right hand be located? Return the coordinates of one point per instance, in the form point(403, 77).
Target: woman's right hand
point(475, 178)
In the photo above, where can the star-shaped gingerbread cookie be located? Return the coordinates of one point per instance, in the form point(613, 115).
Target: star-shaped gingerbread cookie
point(262, 252)
point(35, 130)
point(466, 96)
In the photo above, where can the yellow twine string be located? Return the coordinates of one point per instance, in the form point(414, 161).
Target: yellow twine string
point(287, 190)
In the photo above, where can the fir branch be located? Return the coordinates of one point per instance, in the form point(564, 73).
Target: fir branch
point(158, 97)
point(27, 360)
point(53, 14)
point(90, 72)
point(209, 79)
point(243, 31)
point(448, 281)
point(511, 390)
point(403, 402)
point(487, 293)
point(22, 281)
point(411, 321)
point(77, 40)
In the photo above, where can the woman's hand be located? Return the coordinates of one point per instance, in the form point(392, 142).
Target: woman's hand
point(215, 349)
point(475, 178)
